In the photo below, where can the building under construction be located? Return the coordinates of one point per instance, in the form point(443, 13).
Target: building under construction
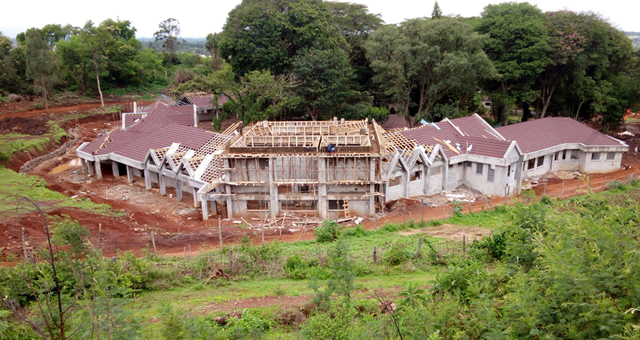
point(337, 168)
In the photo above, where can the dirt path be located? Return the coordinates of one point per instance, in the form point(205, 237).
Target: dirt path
point(56, 110)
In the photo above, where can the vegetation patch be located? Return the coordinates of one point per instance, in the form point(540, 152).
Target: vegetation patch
point(13, 184)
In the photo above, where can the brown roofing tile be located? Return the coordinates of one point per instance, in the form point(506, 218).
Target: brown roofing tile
point(190, 137)
point(535, 135)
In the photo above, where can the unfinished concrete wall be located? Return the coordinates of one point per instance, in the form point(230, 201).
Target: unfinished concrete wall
point(436, 175)
point(396, 188)
point(601, 160)
point(455, 176)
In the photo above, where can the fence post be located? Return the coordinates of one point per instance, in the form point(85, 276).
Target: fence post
point(470, 205)
point(603, 182)
point(562, 191)
point(189, 251)
point(375, 253)
point(153, 241)
point(419, 255)
point(230, 259)
point(577, 184)
point(505, 195)
point(220, 232)
point(99, 235)
point(422, 212)
point(464, 243)
point(184, 252)
point(404, 214)
point(24, 244)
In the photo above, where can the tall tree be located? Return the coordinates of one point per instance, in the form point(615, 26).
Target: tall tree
point(324, 77)
point(259, 95)
point(213, 39)
point(41, 63)
point(518, 46)
point(437, 12)
point(432, 57)
point(267, 35)
point(169, 34)
point(7, 70)
point(356, 25)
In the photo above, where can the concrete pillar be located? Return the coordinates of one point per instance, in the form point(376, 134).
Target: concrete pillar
point(98, 169)
point(229, 201)
point(214, 208)
point(129, 174)
point(194, 192)
point(274, 205)
point(427, 176)
point(407, 182)
point(205, 210)
point(161, 182)
point(372, 189)
point(519, 172)
point(178, 189)
point(84, 165)
point(445, 174)
point(322, 188)
point(115, 169)
point(147, 178)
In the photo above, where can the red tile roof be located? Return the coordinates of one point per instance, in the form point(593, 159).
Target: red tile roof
point(472, 130)
point(535, 135)
point(202, 101)
point(159, 115)
point(190, 137)
point(130, 119)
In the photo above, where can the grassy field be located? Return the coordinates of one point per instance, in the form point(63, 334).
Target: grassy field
point(13, 184)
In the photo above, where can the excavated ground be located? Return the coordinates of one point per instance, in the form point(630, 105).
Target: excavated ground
point(178, 227)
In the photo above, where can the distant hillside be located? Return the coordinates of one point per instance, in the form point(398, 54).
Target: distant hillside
point(191, 45)
point(635, 38)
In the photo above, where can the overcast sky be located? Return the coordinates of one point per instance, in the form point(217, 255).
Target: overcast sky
point(198, 18)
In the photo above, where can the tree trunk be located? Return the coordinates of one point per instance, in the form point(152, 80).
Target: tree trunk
point(95, 67)
point(526, 113)
point(44, 89)
point(463, 99)
point(505, 108)
point(579, 106)
point(546, 102)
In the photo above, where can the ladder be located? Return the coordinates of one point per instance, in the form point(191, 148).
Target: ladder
point(345, 206)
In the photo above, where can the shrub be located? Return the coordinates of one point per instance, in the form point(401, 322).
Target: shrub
point(495, 245)
point(334, 324)
point(328, 231)
point(247, 327)
point(358, 231)
point(397, 254)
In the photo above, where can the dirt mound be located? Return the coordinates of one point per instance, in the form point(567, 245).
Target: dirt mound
point(31, 126)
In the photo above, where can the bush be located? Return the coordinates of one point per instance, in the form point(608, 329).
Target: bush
point(397, 253)
point(298, 269)
point(495, 245)
point(328, 231)
point(334, 324)
point(247, 327)
point(358, 231)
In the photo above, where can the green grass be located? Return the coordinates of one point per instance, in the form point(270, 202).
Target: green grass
point(12, 143)
point(12, 183)
point(489, 218)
